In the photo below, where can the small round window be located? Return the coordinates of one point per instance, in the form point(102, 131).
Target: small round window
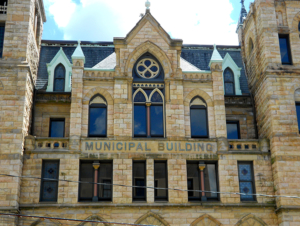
point(147, 68)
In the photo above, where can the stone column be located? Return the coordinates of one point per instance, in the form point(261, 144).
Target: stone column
point(150, 180)
point(219, 101)
point(201, 168)
point(96, 166)
point(76, 106)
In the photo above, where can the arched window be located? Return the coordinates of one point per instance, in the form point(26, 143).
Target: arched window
point(250, 46)
point(59, 78)
point(199, 121)
point(148, 113)
point(299, 26)
point(97, 116)
point(229, 82)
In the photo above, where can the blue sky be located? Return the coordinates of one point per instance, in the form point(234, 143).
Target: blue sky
point(195, 21)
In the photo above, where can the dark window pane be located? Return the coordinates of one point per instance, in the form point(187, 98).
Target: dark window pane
point(284, 49)
point(245, 172)
point(86, 175)
point(246, 181)
point(57, 128)
point(154, 68)
point(147, 63)
point(97, 121)
point(156, 97)
point(199, 122)
point(160, 178)
point(193, 178)
point(157, 122)
point(105, 176)
point(229, 88)
point(49, 188)
point(147, 74)
point(59, 78)
point(228, 76)
point(298, 115)
point(141, 68)
point(2, 29)
point(233, 131)
point(139, 97)
point(139, 179)
point(140, 124)
point(299, 26)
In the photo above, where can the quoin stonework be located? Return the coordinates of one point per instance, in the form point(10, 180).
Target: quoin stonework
point(148, 130)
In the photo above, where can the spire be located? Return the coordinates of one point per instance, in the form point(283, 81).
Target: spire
point(216, 57)
point(78, 53)
point(147, 4)
point(243, 15)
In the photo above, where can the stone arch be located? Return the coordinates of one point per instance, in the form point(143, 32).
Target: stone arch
point(250, 220)
point(93, 218)
point(210, 112)
point(206, 220)
point(98, 90)
point(198, 92)
point(155, 51)
point(110, 109)
point(152, 219)
point(295, 22)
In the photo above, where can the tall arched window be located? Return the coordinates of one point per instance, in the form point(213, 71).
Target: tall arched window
point(59, 78)
point(229, 82)
point(148, 113)
point(98, 117)
point(199, 120)
point(250, 46)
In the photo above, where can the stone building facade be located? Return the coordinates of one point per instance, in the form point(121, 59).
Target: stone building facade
point(190, 132)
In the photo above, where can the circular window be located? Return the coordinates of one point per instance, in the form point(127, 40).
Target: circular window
point(147, 68)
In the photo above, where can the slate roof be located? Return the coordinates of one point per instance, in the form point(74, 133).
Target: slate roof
point(195, 56)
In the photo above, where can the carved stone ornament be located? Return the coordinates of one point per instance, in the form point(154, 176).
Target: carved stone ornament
point(264, 145)
point(223, 144)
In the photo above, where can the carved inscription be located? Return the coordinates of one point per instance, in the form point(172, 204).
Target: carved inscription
point(148, 146)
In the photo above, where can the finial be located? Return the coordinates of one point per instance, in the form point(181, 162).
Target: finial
point(242, 1)
point(147, 4)
point(79, 42)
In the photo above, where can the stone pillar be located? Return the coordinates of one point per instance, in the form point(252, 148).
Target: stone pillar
point(76, 105)
point(219, 102)
point(150, 180)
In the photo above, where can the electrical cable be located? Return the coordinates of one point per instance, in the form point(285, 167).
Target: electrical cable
point(147, 187)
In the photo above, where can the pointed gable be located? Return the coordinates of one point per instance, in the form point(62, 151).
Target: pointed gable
point(148, 29)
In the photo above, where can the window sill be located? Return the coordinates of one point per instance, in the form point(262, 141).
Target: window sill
point(144, 204)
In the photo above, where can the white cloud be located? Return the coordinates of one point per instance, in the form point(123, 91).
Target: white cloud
point(194, 21)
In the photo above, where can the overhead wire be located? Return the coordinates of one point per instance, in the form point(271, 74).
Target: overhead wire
point(155, 188)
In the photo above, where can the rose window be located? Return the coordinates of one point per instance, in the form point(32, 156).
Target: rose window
point(147, 68)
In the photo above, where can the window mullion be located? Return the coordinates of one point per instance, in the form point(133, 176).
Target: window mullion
point(148, 119)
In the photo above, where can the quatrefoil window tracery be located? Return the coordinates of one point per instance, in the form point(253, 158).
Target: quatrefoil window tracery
point(147, 68)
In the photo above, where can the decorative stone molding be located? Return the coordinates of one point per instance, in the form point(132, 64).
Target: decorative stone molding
point(152, 219)
point(223, 144)
point(155, 51)
point(53, 97)
point(264, 145)
point(98, 90)
point(206, 220)
point(46, 221)
point(201, 93)
point(197, 76)
point(238, 100)
point(94, 218)
point(29, 143)
point(250, 220)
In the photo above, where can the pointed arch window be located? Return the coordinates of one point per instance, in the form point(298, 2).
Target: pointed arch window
point(98, 117)
point(229, 82)
point(59, 78)
point(148, 113)
point(199, 120)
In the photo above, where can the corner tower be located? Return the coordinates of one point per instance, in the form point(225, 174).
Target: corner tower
point(21, 26)
point(270, 42)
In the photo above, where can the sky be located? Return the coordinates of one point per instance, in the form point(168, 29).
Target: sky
point(194, 21)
